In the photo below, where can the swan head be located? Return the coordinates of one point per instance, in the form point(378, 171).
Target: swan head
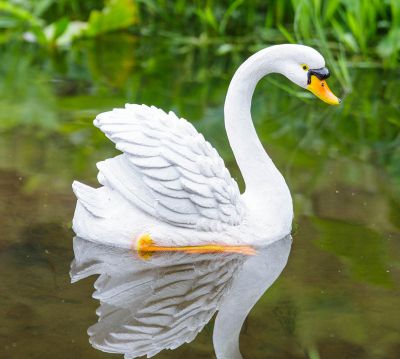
point(306, 68)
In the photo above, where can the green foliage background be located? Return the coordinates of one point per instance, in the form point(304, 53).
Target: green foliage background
point(366, 31)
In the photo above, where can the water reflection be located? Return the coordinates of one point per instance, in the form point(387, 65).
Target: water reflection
point(150, 305)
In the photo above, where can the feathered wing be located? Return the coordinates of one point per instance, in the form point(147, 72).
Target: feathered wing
point(148, 306)
point(168, 169)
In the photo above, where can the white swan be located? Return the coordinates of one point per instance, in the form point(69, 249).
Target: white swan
point(169, 189)
point(148, 306)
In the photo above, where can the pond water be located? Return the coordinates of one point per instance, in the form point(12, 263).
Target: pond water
point(338, 296)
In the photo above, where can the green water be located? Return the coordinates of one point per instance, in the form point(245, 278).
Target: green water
point(339, 294)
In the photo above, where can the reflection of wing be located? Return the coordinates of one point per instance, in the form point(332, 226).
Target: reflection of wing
point(168, 169)
point(148, 306)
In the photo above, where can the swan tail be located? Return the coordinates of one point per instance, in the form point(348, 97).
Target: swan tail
point(91, 199)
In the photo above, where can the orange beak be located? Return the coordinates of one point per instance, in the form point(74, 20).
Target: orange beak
point(320, 89)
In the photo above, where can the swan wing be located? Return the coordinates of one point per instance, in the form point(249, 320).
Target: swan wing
point(148, 306)
point(168, 169)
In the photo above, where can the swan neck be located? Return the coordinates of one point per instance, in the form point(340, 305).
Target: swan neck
point(257, 168)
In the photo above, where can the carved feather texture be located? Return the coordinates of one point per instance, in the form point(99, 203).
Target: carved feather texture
point(175, 174)
point(148, 306)
point(95, 203)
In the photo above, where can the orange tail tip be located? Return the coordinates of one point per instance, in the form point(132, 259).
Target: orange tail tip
point(146, 248)
point(144, 243)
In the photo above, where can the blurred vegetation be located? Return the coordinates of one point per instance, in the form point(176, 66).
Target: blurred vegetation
point(52, 23)
point(366, 31)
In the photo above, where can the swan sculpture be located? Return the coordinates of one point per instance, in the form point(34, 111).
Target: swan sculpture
point(169, 190)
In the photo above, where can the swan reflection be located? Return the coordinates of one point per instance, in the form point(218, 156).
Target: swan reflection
point(160, 303)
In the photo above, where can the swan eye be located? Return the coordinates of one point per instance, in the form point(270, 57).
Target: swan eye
point(305, 67)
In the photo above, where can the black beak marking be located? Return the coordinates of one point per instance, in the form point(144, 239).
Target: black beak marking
point(321, 73)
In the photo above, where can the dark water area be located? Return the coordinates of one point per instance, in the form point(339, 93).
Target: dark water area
point(338, 297)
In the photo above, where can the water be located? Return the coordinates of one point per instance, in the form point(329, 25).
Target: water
point(338, 295)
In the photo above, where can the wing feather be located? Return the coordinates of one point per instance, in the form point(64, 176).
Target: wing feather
point(177, 175)
point(152, 162)
point(166, 190)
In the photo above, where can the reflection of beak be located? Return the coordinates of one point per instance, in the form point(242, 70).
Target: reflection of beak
point(318, 86)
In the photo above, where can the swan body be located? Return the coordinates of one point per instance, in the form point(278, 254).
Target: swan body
point(169, 190)
point(171, 183)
